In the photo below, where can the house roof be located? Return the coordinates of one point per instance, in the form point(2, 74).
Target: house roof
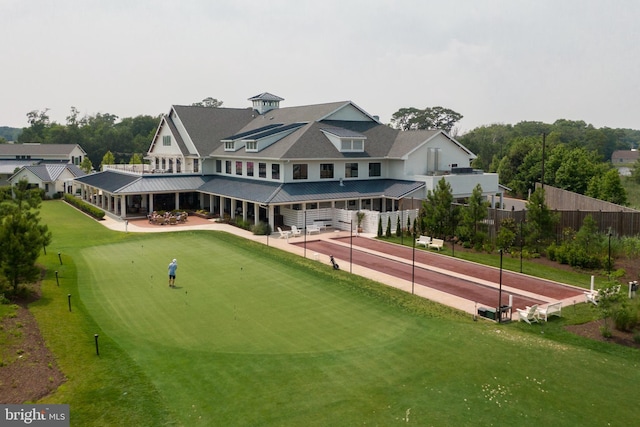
point(51, 172)
point(356, 189)
point(277, 193)
point(8, 167)
point(37, 149)
point(630, 155)
point(121, 183)
point(207, 126)
point(266, 96)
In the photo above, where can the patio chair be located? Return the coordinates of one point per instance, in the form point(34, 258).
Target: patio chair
point(295, 231)
point(529, 314)
point(284, 234)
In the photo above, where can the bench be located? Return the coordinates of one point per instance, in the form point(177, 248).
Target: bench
point(313, 228)
point(436, 244)
point(554, 309)
point(423, 240)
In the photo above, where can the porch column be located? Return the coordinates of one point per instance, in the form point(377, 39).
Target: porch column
point(271, 217)
point(244, 210)
point(150, 203)
point(221, 207)
point(123, 206)
point(256, 213)
point(177, 201)
point(233, 208)
point(211, 207)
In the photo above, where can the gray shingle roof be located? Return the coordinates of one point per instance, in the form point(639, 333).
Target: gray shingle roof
point(35, 150)
point(208, 126)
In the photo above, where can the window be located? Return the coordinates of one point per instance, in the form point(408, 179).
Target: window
point(352, 145)
point(229, 146)
point(164, 164)
point(166, 140)
point(227, 167)
point(374, 169)
point(300, 171)
point(249, 168)
point(275, 171)
point(262, 170)
point(326, 170)
point(157, 163)
point(252, 146)
point(351, 170)
point(196, 165)
point(238, 168)
point(219, 166)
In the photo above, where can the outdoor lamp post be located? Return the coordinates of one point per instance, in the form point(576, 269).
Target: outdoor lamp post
point(500, 291)
point(609, 260)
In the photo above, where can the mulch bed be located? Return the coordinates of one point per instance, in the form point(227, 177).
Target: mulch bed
point(29, 371)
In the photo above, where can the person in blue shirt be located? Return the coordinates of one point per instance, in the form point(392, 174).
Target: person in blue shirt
point(173, 266)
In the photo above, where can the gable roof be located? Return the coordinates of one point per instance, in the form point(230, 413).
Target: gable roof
point(37, 149)
point(206, 126)
point(51, 172)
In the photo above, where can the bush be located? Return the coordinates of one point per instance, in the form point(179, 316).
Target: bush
point(625, 317)
point(85, 207)
point(261, 229)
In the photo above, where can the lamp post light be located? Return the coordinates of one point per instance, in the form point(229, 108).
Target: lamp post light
point(609, 260)
point(351, 246)
point(500, 291)
point(413, 264)
point(521, 244)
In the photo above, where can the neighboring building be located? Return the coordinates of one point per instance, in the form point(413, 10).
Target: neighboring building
point(285, 165)
point(16, 156)
point(52, 178)
point(624, 156)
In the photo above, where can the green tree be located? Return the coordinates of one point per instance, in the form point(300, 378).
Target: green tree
point(86, 165)
point(436, 210)
point(208, 102)
point(430, 118)
point(608, 187)
point(22, 236)
point(473, 215)
point(135, 159)
point(107, 159)
point(540, 223)
point(388, 232)
point(398, 227)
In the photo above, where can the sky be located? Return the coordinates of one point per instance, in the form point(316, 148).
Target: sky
point(493, 61)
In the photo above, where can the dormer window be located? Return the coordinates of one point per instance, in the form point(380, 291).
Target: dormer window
point(229, 146)
point(345, 140)
point(251, 146)
point(351, 145)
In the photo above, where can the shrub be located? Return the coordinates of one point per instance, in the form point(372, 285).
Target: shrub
point(625, 317)
point(85, 207)
point(261, 229)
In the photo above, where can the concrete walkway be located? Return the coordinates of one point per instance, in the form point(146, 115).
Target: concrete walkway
point(295, 245)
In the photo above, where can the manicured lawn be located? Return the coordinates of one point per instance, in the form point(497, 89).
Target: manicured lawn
point(255, 336)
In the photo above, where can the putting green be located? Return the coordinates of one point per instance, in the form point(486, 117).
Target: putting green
point(226, 300)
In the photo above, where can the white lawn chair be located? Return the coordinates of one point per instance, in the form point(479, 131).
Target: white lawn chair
point(284, 234)
point(295, 231)
point(592, 296)
point(529, 314)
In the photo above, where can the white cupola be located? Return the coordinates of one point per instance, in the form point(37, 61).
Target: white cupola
point(265, 102)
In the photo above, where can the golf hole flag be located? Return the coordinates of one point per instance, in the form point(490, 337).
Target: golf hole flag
point(34, 415)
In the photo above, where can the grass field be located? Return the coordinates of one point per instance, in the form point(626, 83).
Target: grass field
point(258, 337)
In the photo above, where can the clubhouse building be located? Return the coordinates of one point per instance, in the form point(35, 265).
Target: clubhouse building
point(286, 166)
